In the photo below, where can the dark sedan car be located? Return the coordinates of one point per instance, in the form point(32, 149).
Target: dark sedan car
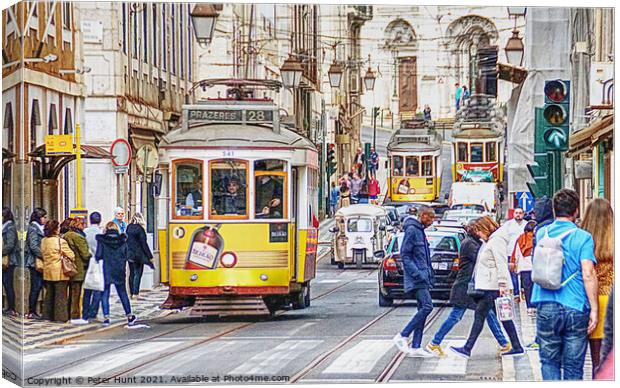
point(445, 246)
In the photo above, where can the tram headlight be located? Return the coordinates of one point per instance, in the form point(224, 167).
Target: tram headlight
point(264, 277)
point(193, 278)
point(228, 260)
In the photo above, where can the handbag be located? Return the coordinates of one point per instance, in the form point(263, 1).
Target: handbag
point(472, 291)
point(94, 275)
point(67, 265)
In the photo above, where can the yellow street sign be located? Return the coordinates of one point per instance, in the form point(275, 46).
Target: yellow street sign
point(58, 145)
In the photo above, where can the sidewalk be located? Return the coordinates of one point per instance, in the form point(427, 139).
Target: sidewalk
point(33, 333)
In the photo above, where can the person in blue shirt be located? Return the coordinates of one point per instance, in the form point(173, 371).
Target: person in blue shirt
point(566, 316)
point(457, 95)
point(334, 195)
point(119, 219)
point(374, 162)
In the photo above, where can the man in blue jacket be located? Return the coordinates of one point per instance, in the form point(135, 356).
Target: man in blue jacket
point(418, 279)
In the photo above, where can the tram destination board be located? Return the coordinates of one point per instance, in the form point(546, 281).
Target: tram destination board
point(231, 115)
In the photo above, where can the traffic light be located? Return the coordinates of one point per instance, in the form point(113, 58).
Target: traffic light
point(556, 115)
point(539, 170)
point(331, 159)
point(375, 112)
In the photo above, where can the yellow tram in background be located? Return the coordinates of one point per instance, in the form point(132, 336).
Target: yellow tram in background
point(478, 141)
point(242, 195)
point(414, 163)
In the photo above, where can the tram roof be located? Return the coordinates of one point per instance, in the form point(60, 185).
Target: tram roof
point(418, 139)
point(484, 133)
point(361, 210)
point(234, 135)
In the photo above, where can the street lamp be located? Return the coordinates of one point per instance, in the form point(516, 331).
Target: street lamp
point(515, 12)
point(514, 49)
point(204, 17)
point(335, 75)
point(290, 72)
point(369, 78)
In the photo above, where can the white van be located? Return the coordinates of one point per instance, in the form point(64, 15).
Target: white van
point(480, 196)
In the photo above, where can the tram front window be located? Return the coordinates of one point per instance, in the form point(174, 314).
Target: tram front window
point(188, 189)
point(360, 225)
point(427, 165)
point(397, 162)
point(476, 152)
point(413, 166)
point(270, 181)
point(229, 188)
point(490, 151)
point(461, 155)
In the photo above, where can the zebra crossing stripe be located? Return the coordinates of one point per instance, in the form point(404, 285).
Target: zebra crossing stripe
point(361, 358)
point(272, 361)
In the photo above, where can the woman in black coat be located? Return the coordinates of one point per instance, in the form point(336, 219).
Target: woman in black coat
point(10, 259)
point(459, 298)
point(112, 249)
point(139, 253)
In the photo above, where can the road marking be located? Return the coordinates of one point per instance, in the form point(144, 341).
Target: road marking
point(449, 365)
point(361, 358)
point(51, 353)
point(508, 369)
point(270, 362)
point(366, 281)
point(115, 359)
point(173, 365)
point(303, 327)
point(326, 281)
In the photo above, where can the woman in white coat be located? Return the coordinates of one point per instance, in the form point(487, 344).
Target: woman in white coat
point(492, 278)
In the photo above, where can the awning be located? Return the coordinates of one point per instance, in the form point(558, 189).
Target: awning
point(51, 166)
point(95, 152)
point(585, 139)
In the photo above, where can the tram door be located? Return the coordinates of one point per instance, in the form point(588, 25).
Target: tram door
point(294, 219)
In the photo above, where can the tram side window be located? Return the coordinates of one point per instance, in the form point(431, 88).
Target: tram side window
point(270, 181)
point(462, 152)
point(427, 165)
point(490, 151)
point(397, 163)
point(476, 152)
point(188, 189)
point(413, 166)
point(229, 188)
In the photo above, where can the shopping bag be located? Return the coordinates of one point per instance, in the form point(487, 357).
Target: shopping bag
point(505, 308)
point(94, 275)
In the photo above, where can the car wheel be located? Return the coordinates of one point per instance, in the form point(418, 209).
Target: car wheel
point(385, 301)
point(298, 300)
point(307, 296)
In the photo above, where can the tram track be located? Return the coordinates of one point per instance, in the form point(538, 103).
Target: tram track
point(183, 328)
point(393, 365)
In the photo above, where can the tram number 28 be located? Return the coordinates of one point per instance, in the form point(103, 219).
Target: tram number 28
point(259, 115)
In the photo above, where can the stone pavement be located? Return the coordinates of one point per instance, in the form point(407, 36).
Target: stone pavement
point(33, 333)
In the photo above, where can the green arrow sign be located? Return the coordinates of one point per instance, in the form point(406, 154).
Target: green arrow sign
point(556, 139)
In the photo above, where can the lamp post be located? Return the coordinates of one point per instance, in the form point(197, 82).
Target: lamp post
point(369, 78)
point(335, 74)
point(515, 49)
point(291, 72)
point(204, 17)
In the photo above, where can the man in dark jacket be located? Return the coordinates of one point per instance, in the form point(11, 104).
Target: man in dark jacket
point(32, 251)
point(418, 278)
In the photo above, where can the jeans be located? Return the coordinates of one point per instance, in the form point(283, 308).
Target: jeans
point(135, 276)
point(483, 306)
point(7, 283)
point(36, 285)
point(515, 284)
point(104, 297)
point(89, 310)
point(457, 314)
point(528, 285)
point(332, 209)
point(563, 338)
point(416, 325)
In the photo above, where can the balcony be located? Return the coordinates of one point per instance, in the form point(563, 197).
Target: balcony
point(360, 13)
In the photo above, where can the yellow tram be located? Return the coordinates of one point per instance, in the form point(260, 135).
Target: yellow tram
point(478, 141)
point(414, 160)
point(242, 197)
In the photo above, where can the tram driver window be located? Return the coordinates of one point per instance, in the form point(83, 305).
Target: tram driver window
point(490, 151)
point(397, 162)
point(427, 165)
point(413, 166)
point(476, 153)
point(462, 152)
point(188, 192)
point(270, 181)
point(229, 188)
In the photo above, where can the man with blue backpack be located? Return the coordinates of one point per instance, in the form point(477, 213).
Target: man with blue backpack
point(565, 290)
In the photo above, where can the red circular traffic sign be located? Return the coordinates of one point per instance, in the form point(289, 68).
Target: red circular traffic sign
point(121, 153)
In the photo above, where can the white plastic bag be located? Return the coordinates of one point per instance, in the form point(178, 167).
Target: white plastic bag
point(505, 308)
point(94, 276)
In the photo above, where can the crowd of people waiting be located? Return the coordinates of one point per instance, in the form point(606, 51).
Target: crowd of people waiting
point(57, 257)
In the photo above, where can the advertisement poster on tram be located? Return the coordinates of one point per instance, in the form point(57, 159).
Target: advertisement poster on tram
point(322, 193)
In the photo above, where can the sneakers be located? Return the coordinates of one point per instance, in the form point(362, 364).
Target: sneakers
point(505, 348)
point(513, 353)
point(419, 352)
point(533, 347)
point(106, 321)
point(131, 320)
point(400, 342)
point(461, 352)
point(79, 322)
point(34, 316)
point(435, 349)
